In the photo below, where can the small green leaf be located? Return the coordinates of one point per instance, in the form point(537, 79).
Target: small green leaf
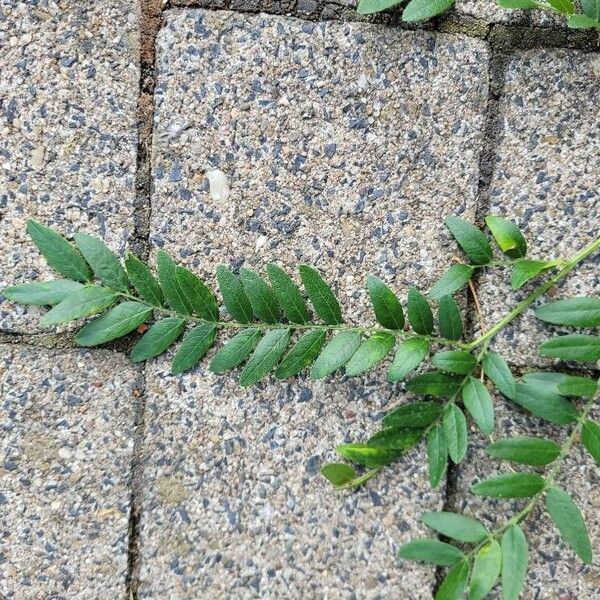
point(415, 414)
point(288, 295)
point(431, 551)
point(496, 368)
point(449, 319)
point(437, 454)
point(525, 450)
point(510, 485)
point(591, 8)
point(457, 527)
point(335, 354)
point(454, 361)
point(158, 338)
point(60, 254)
point(590, 436)
point(195, 345)
point(386, 305)
point(196, 294)
point(478, 402)
point(580, 311)
point(451, 281)
point(409, 355)
point(43, 293)
point(517, 4)
point(235, 351)
point(267, 354)
point(573, 385)
point(116, 323)
point(486, 569)
point(420, 316)
point(583, 22)
point(321, 296)
point(368, 456)
point(508, 236)
point(455, 432)
point(546, 405)
point(471, 239)
point(434, 383)
point(143, 281)
point(234, 296)
point(564, 7)
point(570, 523)
point(369, 7)
point(167, 276)
point(104, 262)
point(304, 352)
point(524, 270)
point(339, 474)
point(547, 381)
point(515, 556)
point(579, 347)
point(454, 584)
point(261, 296)
point(395, 438)
point(423, 10)
point(85, 302)
point(369, 353)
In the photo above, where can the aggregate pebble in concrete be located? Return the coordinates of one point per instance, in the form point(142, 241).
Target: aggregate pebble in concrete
point(490, 12)
point(344, 146)
point(66, 419)
point(67, 130)
point(546, 177)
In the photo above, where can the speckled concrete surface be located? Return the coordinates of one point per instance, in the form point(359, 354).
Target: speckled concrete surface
point(490, 12)
point(68, 141)
point(546, 177)
point(66, 419)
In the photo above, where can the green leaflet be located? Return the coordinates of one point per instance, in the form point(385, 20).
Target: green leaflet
point(508, 236)
point(449, 319)
point(420, 316)
point(320, 294)
point(339, 474)
point(486, 569)
point(573, 385)
point(510, 485)
point(564, 7)
point(261, 296)
point(415, 414)
point(451, 281)
point(368, 7)
point(478, 402)
point(304, 352)
point(525, 450)
point(579, 347)
point(473, 242)
point(454, 361)
point(369, 353)
point(434, 383)
point(546, 405)
point(335, 354)
point(386, 305)
point(43, 293)
point(395, 438)
point(266, 355)
point(409, 355)
point(422, 10)
point(523, 270)
point(431, 551)
point(590, 436)
point(167, 276)
point(455, 432)
point(561, 383)
point(158, 338)
point(143, 281)
point(194, 346)
point(583, 22)
point(515, 557)
point(517, 4)
point(60, 254)
point(85, 302)
point(454, 584)
point(234, 296)
point(577, 312)
point(196, 294)
point(495, 367)
point(235, 351)
point(116, 323)
point(570, 523)
point(104, 262)
point(591, 9)
point(288, 295)
point(368, 456)
point(437, 454)
point(457, 527)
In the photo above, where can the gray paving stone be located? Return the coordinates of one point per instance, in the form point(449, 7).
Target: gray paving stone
point(67, 437)
point(490, 12)
point(344, 145)
point(67, 130)
point(546, 177)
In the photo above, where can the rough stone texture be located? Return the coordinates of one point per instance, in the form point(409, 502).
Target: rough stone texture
point(66, 419)
point(67, 130)
point(345, 145)
point(546, 177)
point(490, 12)
point(555, 571)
